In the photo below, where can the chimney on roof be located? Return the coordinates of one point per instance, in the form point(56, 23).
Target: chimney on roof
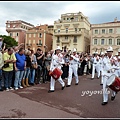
point(115, 20)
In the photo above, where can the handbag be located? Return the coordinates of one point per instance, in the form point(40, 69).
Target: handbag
point(34, 66)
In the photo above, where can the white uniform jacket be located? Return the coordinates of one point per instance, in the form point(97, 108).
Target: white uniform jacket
point(75, 60)
point(108, 68)
point(57, 61)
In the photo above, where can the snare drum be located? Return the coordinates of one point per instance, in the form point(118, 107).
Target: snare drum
point(114, 83)
point(56, 73)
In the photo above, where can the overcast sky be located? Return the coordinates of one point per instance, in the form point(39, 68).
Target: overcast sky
point(46, 12)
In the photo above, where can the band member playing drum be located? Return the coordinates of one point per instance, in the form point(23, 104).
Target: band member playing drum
point(57, 61)
point(73, 68)
point(108, 70)
point(101, 67)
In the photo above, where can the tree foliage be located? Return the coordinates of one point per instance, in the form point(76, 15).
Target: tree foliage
point(9, 41)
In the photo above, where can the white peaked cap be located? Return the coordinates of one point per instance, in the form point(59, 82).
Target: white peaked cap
point(119, 50)
point(109, 49)
point(58, 48)
point(74, 50)
point(102, 53)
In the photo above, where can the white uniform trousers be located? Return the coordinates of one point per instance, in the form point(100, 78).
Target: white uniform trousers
point(105, 89)
point(97, 67)
point(52, 83)
point(73, 69)
point(101, 70)
point(101, 77)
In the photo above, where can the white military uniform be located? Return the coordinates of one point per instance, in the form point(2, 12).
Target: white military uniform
point(96, 66)
point(107, 72)
point(57, 61)
point(101, 67)
point(73, 68)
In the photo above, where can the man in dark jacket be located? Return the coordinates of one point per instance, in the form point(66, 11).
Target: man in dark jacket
point(39, 55)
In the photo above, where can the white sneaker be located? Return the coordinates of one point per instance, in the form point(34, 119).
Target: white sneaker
point(11, 88)
point(7, 89)
point(16, 88)
point(20, 87)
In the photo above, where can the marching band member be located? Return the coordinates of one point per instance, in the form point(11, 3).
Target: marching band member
point(109, 64)
point(73, 68)
point(57, 61)
point(96, 65)
point(101, 67)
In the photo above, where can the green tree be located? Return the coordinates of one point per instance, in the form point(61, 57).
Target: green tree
point(9, 41)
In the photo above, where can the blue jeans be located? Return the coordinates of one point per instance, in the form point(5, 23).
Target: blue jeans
point(7, 75)
point(32, 72)
point(18, 77)
point(26, 73)
point(0, 79)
